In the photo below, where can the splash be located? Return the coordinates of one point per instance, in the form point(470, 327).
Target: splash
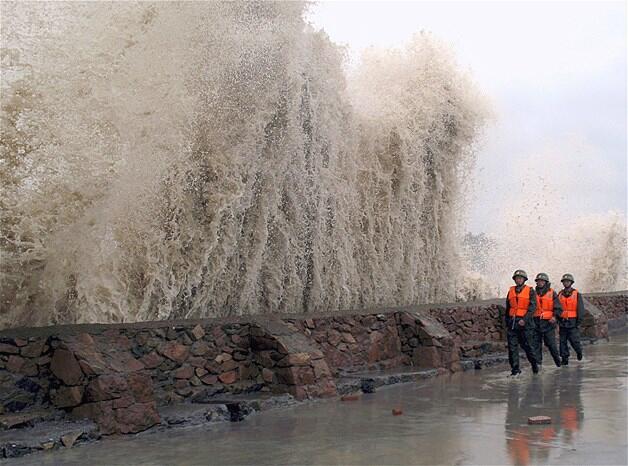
point(179, 160)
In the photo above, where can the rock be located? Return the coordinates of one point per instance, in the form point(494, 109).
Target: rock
point(65, 367)
point(351, 397)
point(223, 357)
point(33, 350)
point(534, 420)
point(197, 332)
point(8, 349)
point(175, 351)
point(197, 362)
point(184, 372)
point(151, 360)
point(141, 386)
point(67, 397)
point(68, 440)
point(15, 363)
point(200, 371)
point(137, 418)
point(267, 375)
point(47, 445)
point(20, 342)
point(397, 412)
point(209, 379)
point(228, 377)
point(199, 348)
point(228, 365)
point(195, 381)
point(348, 338)
point(321, 369)
point(106, 387)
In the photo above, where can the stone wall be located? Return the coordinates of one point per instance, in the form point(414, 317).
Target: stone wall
point(119, 374)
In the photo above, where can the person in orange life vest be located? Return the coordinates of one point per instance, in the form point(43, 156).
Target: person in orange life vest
point(520, 307)
point(548, 310)
point(573, 312)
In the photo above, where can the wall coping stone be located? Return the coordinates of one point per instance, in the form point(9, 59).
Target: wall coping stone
point(256, 319)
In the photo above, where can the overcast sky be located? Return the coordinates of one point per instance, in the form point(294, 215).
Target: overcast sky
point(556, 75)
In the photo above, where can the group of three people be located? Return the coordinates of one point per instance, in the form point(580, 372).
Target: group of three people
point(532, 315)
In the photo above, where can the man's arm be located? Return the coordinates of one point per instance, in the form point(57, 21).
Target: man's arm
point(558, 309)
point(531, 306)
point(507, 310)
point(579, 310)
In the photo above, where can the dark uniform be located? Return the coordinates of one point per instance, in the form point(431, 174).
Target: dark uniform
point(548, 307)
point(573, 312)
point(520, 307)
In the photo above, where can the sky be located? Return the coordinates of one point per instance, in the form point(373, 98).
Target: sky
point(555, 74)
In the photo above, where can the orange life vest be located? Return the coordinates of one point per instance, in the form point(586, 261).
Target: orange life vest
point(519, 302)
point(545, 305)
point(569, 304)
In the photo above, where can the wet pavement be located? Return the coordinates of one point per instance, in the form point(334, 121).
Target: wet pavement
point(468, 418)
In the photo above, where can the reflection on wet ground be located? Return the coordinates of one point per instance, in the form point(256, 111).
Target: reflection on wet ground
point(469, 418)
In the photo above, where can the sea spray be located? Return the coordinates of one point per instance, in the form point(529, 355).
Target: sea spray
point(179, 160)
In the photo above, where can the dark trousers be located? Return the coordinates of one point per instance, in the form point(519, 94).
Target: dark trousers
point(569, 334)
point(519, 336)
point(544, 332)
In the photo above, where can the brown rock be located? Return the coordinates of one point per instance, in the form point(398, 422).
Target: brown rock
point(304, 375)
point(67, 397)
point(65, 367)
point(141, 386)
point(195, 381)
point(184, 372)
point(309, 323)
point(334, 337)
point(181, 383)
point(68, 440)
point(321, 369)
point(197, 362)
point(223, 357)
point(175, 351)
point(209, 379)
point(107, 387)
point(397, 412)
point(122, 361)
point(101, 412)
point(199, 348)
point(539, 420)
point(33, 350)
point(8, 349)
point(200, 371)
point(267, 375)
point(137, 417)
point(197, 332)
point(351, 397)
point(151, 360)
point(20, 342)
point(295, 359)
point(348, 338)
point(15, 363)
point(228, 377)
point(228, 365)
point(124, 401)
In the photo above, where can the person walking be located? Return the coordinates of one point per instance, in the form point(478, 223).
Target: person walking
point(520, 307)
point(548, 311)
point(573, 312)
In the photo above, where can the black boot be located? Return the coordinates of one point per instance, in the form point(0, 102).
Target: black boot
point(535, 368)
point(579, 356)
point(515, 372)
point(564, 362)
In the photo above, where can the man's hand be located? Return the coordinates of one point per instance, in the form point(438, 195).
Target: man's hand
point(522, 323)
point(553, 320)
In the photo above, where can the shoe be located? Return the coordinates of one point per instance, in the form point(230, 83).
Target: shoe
point(557, 362)
point(535, 368)
point(515, 372)
point(579, 356)
point(564, 362)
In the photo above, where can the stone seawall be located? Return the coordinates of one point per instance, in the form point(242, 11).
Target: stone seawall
point(118, 375)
